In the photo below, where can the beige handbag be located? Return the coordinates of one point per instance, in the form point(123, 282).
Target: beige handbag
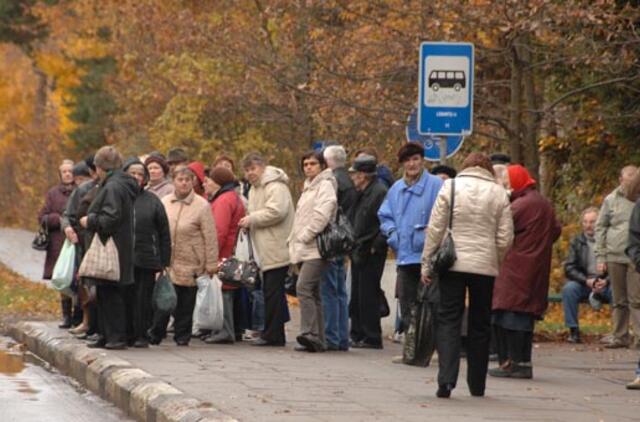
point(101, 261)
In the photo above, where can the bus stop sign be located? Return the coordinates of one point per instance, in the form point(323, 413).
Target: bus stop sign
point(445, 89)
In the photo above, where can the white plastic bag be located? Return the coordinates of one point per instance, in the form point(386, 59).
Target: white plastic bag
point(62, 276)
point(208, 313)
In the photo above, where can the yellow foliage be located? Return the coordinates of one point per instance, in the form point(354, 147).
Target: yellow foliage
point(24, 299)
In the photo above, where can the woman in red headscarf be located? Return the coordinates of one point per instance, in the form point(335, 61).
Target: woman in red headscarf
point(521, 288)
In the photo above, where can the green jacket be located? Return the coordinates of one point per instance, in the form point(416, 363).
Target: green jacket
point(612, 228)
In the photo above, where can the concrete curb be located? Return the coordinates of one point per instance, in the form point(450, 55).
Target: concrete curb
point(138, 393)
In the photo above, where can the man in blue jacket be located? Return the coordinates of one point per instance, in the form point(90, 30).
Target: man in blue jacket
point(404, 216)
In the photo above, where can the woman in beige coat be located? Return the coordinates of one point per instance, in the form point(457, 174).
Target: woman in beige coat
point(316, 207)
point(482, 230)
point(194, 252)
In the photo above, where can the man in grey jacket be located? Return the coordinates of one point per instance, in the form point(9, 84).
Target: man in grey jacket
point(612, 234)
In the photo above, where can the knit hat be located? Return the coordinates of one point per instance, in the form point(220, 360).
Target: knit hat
point(159, 161)
point(224, 157)
point(221, 175)
point(410, 149)
point(519, 178)
point(198, 169)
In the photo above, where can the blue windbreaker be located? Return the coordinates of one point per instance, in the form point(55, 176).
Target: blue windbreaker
point(404, 216)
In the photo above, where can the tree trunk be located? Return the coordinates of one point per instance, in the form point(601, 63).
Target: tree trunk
point(529, 143)
point(515, 111)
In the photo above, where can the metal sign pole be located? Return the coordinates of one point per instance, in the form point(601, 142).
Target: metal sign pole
point(443, 150)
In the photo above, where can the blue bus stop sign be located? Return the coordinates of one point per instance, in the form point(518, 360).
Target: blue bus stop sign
point(445, 89)
point(431, 143)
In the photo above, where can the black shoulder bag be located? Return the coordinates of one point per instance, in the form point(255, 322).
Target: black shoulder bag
point(237, 273)
point(445, 256)
point(41, 241)
point(337, 238)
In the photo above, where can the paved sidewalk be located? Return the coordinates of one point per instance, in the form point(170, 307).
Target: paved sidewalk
point(278, 384)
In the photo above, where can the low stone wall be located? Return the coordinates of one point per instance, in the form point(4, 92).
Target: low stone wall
point(141, 395)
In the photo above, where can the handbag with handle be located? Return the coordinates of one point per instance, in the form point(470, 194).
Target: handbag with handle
point(337, 238)
point(41, 241)
point(239, 273)
point(445, 256)
point(101, 260)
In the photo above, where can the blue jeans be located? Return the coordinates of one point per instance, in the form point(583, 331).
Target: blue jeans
point(257, 310)
point(335, 304)
point(572, 294)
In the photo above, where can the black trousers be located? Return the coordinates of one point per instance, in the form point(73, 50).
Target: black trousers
point(513, 345)
point(112, 311)
point(274, 304)
point(450, 311)
point(182, 316)
point(408, 279)
point(142, 313)
point(364, 307)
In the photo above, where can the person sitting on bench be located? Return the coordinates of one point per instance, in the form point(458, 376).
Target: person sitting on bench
point(583, 281)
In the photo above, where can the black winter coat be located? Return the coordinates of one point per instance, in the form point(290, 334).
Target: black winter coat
point(347, 194)
point(575, 267)
point(153, 238)
point(111, 215)
point(633, 248)
point(366, 226)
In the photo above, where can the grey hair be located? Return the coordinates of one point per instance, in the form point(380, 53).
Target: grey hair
point(589, 210)
point(66, 162)
point(183, 169)
point(108, 158)
point(253, 158)
point(336, 155)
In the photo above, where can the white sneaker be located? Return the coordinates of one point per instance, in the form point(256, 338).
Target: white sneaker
point(397, 337)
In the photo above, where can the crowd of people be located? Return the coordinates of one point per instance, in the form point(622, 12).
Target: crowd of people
point(177, 218)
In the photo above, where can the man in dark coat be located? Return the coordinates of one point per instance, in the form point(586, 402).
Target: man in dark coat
point(111, 215)
point(521, 288)
point(152, 251)
point(335, 300)
point(583, 280)
point(50, 216)
point(368, 256)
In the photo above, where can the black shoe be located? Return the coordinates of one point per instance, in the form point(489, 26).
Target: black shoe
point(444, 391)
point(97, 344)
point(83, 336)
point(182, 342)
point(65, 324)
point(218, 339)
point(115, 345)
point(365, 345)
point(262, 342)
point(93, 337)
point(574, 335)
point(310, 344)
point(141, 343)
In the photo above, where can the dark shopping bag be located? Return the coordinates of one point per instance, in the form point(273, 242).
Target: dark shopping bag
point(164, 298)
point(420, 338)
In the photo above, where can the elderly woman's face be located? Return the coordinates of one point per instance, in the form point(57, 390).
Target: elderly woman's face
point(183, 183)
point(66, 174)
point(155, 172)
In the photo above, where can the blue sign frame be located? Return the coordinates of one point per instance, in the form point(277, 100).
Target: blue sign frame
point(431, 143)
point(445, 98)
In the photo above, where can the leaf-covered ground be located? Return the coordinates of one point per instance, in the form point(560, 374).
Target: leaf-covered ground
point(24, 299)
